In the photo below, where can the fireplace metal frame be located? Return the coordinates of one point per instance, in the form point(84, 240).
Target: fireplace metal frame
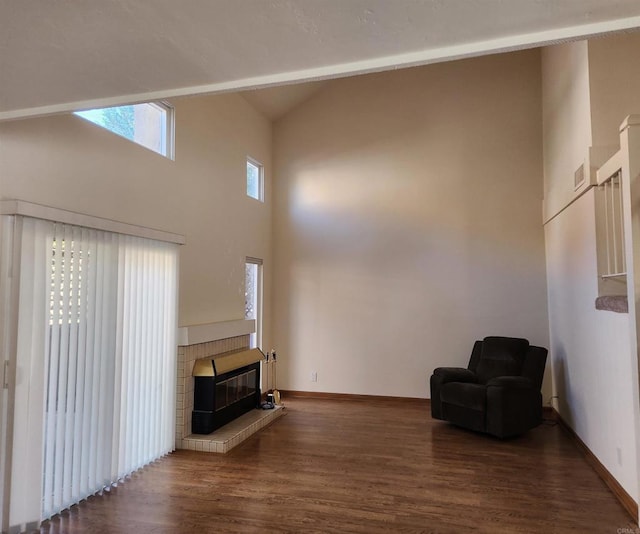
point(222, 391)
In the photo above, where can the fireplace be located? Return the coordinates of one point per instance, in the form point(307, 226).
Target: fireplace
point(225, 388)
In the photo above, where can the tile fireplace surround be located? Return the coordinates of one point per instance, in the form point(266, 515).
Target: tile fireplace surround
point(188, 353)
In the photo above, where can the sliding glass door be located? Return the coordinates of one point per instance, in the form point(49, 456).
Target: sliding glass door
point(94, 363)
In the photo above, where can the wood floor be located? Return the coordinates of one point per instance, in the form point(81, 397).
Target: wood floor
point(366, 467)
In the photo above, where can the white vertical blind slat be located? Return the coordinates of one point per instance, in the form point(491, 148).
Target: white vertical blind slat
point(81, 377)
point(8, 289)
point(130, 349)
point(142, 381)
point(127, 368)
point(105, 355)
point(88, 417)
point(141, 386)
point(98, 386)
point(51, 432)
point(147, 355)
point(131, 376)
point(48, 415)
point(62, 416)
point(110, 361)
point(34, 444)
point(142, 361)
point(157, 294)
point(26, 490)
point(170, 332)
point(118, 404)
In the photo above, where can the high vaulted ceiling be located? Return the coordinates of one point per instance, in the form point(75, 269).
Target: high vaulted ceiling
point(69, 54)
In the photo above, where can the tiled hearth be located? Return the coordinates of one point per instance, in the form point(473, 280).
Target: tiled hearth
point(230, 435)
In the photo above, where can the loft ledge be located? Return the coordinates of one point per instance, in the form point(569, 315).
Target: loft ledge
point(614, 303)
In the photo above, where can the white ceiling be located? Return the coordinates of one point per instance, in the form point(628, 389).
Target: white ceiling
point(68, 54)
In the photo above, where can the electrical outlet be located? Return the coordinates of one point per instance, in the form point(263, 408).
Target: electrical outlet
point(314, 376)
point(619, 453)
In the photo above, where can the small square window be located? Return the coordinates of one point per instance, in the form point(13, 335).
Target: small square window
point(255, 178)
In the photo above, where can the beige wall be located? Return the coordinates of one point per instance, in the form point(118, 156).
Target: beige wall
point(407, 224)
point(614, 79)
point(588, 89)
point(590, 349)
point(566, 119)
point(68, 163)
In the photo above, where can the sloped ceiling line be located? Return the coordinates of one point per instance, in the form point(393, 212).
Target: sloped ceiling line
point(77, 54)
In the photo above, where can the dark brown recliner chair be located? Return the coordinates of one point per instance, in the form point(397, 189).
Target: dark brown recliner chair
point(499, 392)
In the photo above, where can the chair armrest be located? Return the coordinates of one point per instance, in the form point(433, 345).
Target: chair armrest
point(455, 374)
point(512, 382)
point(440, 377)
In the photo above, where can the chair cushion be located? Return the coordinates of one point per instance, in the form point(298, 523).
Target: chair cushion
point(472, 396)
point(501, 356)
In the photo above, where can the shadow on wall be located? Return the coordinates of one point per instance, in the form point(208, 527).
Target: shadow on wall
point(562, 383)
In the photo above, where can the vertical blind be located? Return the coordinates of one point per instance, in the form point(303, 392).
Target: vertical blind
point(95, 388)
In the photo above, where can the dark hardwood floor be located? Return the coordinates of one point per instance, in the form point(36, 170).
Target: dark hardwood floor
point(367, 467)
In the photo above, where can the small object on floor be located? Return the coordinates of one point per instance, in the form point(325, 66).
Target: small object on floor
point(267, 405)
point(276, 394)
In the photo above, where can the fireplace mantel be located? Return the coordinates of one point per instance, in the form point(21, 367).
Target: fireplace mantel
point(204, 333)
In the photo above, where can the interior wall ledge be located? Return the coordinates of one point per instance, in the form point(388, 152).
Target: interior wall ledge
point(630, 120)
point(614, 303)
point(203, 333)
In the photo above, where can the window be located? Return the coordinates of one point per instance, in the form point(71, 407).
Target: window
point(255, 179)
point(149, 124)
point(253, 298)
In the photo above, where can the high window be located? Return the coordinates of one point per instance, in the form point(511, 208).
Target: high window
point(253, 298)
point(149, 124)
point(255, 179)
